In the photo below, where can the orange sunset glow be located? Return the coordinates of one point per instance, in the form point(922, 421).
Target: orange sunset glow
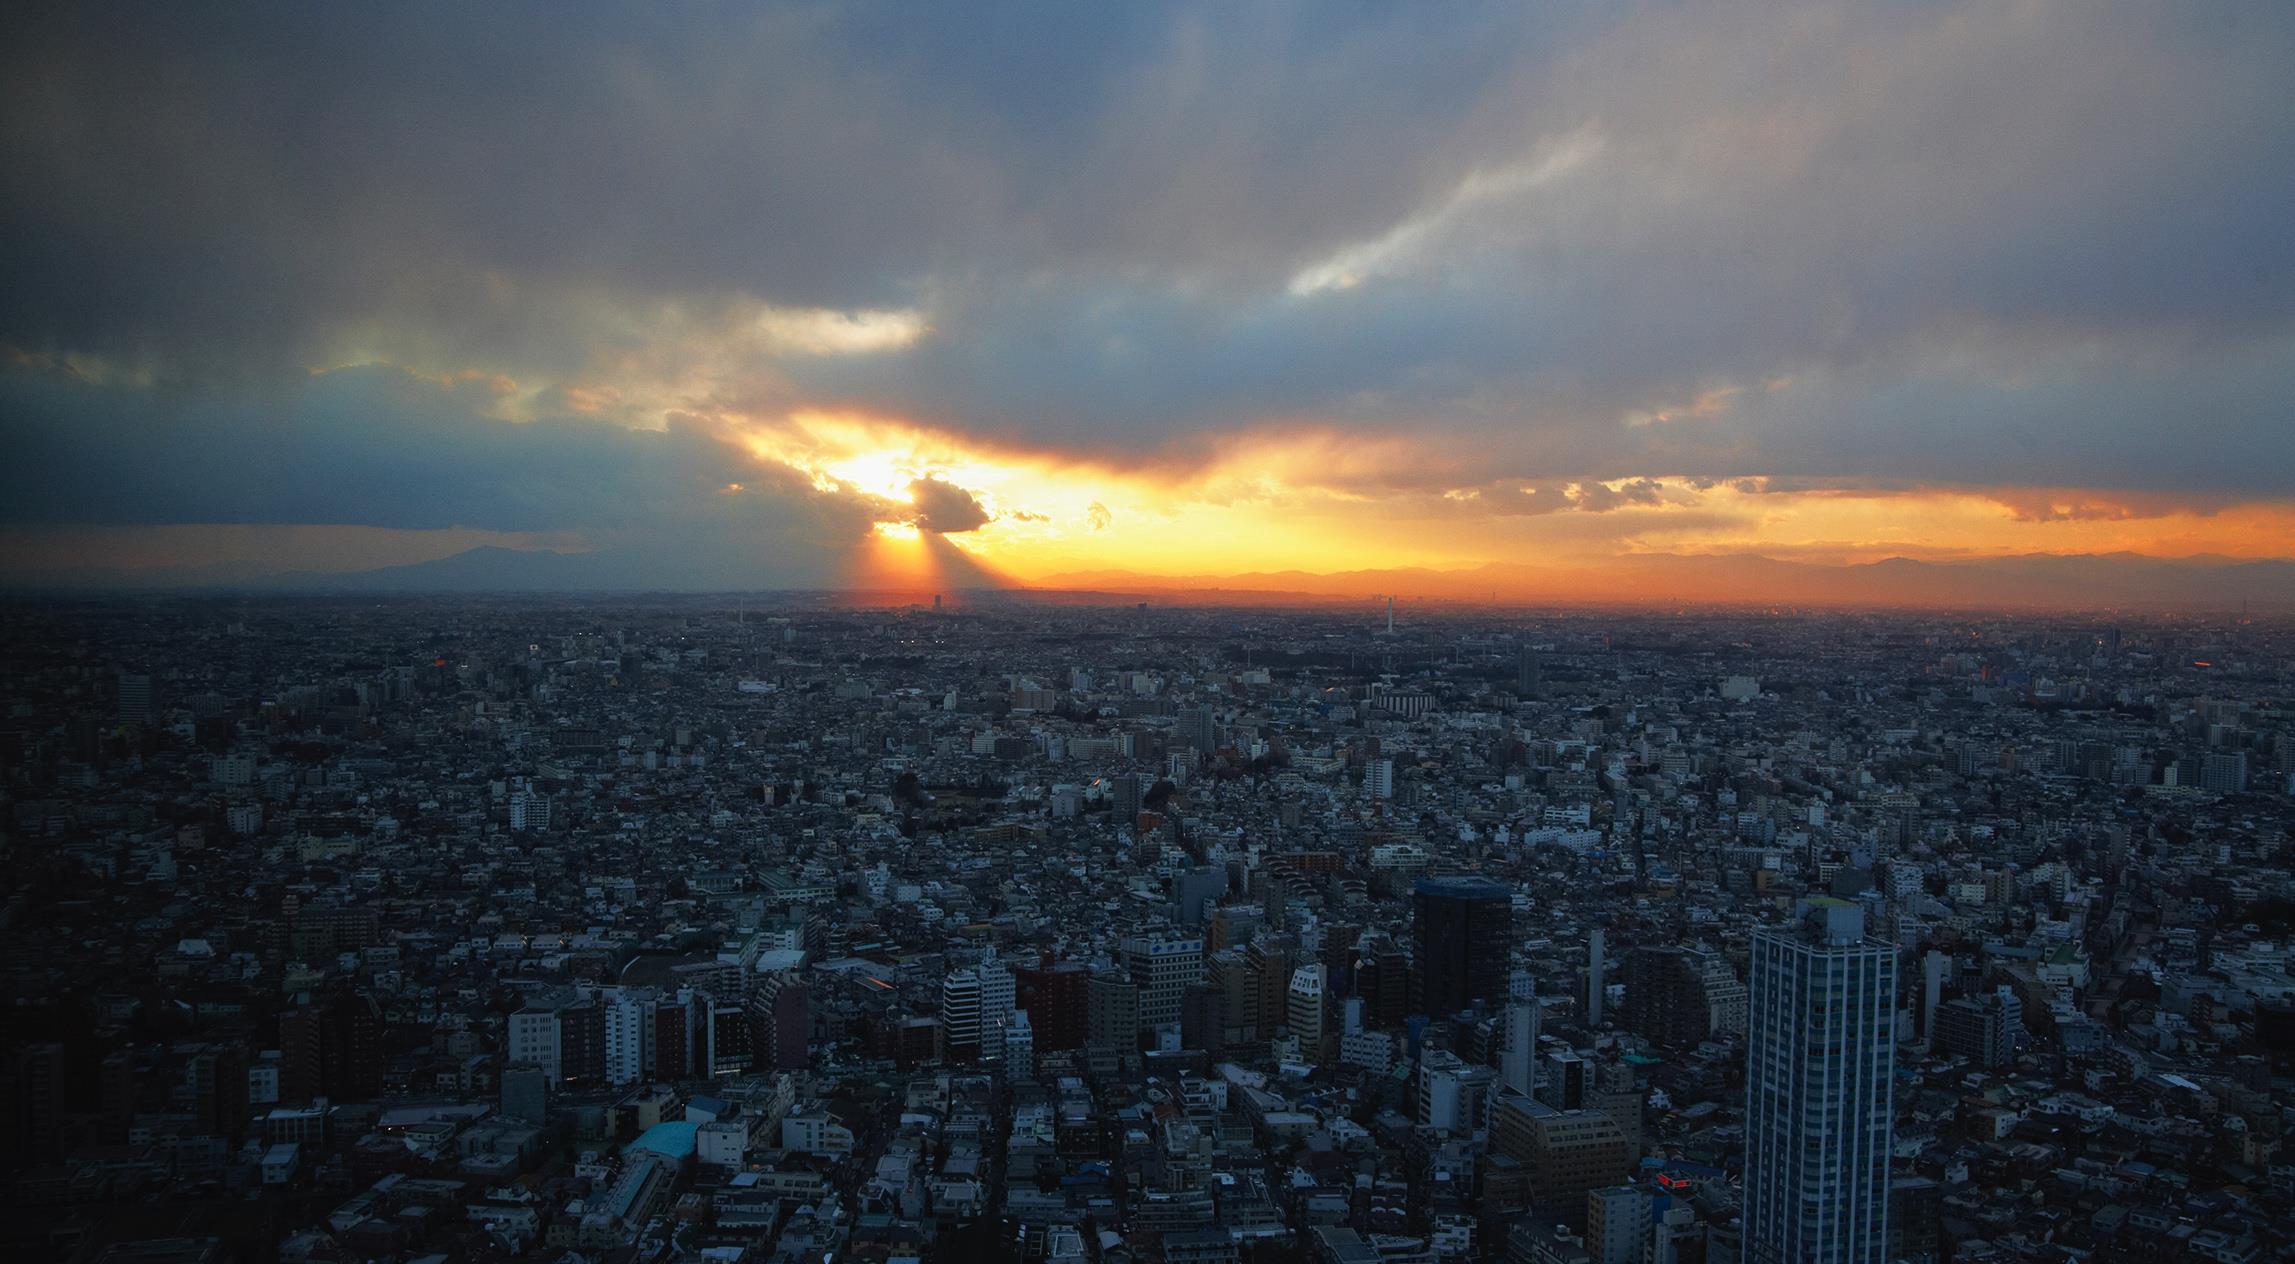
point(1819, 302)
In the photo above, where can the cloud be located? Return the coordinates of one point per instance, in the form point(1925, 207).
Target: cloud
point(553, 266)
point(1099, 516)
point(946, 509)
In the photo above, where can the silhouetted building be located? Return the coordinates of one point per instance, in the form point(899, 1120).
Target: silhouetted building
point(332, 1048)
point(1057, 996)
point(1462, 937)
point(1677, 997)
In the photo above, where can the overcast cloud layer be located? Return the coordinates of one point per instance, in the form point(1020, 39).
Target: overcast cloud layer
point(1981, 244)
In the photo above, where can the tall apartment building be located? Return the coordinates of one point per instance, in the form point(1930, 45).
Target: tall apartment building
point(1161, 968)
point(1305, 1014)
point(1112, 1017)
point(975, 1004)
point(1820, 1053)
point(1462, 940)
point(1677, 997)
point(1617, 1224)
point(1983, 1029)
point(1057, 996)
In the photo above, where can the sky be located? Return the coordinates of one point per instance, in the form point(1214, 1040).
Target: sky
point(815, 295)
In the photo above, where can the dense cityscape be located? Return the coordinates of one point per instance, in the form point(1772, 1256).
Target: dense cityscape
point(771, 929)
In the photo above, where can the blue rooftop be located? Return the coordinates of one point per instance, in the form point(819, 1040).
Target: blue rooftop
point(673, 1140)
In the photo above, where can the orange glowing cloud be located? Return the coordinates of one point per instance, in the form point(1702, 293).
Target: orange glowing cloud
point(1311, 499)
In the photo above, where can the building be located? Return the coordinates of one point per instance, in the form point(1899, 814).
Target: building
point(1057, 996)
point(780, 1016)
point(1197, 728)
point(1305, 1014)
point(1617, 1224)
point(135, 698)
point(1982, 1029)
point(1454, 1095)
point(975, 1003)
point(629, 1021)
point(332, 1048)
point(1567, 1154)
point(1566, 1080)
point(1678, 997)
point(1161, 968)
point(1112, 1019)
point(529, 810)
point(1518, 1048)
point(2221, 772)
point(1462, 939)
point(1019, 1047)
point(533, 1038)
point(1819, 1059)
point(525, 1092)
point(1379, 778)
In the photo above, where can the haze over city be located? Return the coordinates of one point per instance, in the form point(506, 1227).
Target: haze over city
point(1534, 302)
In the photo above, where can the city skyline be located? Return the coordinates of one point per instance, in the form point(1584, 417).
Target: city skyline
point(1573, 303)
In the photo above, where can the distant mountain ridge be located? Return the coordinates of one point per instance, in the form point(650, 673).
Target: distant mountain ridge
point(2013, 582)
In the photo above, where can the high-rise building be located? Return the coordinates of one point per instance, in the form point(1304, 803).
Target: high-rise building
point(1617, 1224)
point(1566, 1080)
point(780, 1014)
point(1268, 966)
point(1567, 1153)
point(1161, 968)
point(676, 1024)
point(1819, 1058)
point(1019, 1047)
point(1617, 1092)
point(582, 1041)
point(1196, 890)
point(1112, 1015)
point(525, 1092)
point(1678, 997)
point(216, 1077)
point(628, 1014)
point(40, 1094)
point(1198, 729)
point(529, 810)
point(532, 1034)
point(1125, 795)
point(1305, 1010)
point(332, 1048)
point(1462, 937)
point(1057, 996)
point(1982, 1029)
point(1453, 1095)
point(1529, 673)
point(135, 698)
point(1596, 948)
point(975, 1003)
point(2224, 772)
point(1383, 978)
point(1379, 778)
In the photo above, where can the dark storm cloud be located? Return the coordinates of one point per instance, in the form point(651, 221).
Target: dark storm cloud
point(1974, 243)
point(233, 180)
point(379, 447)
point(946, 509)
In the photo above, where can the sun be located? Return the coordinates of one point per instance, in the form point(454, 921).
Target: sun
point(884, 473)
